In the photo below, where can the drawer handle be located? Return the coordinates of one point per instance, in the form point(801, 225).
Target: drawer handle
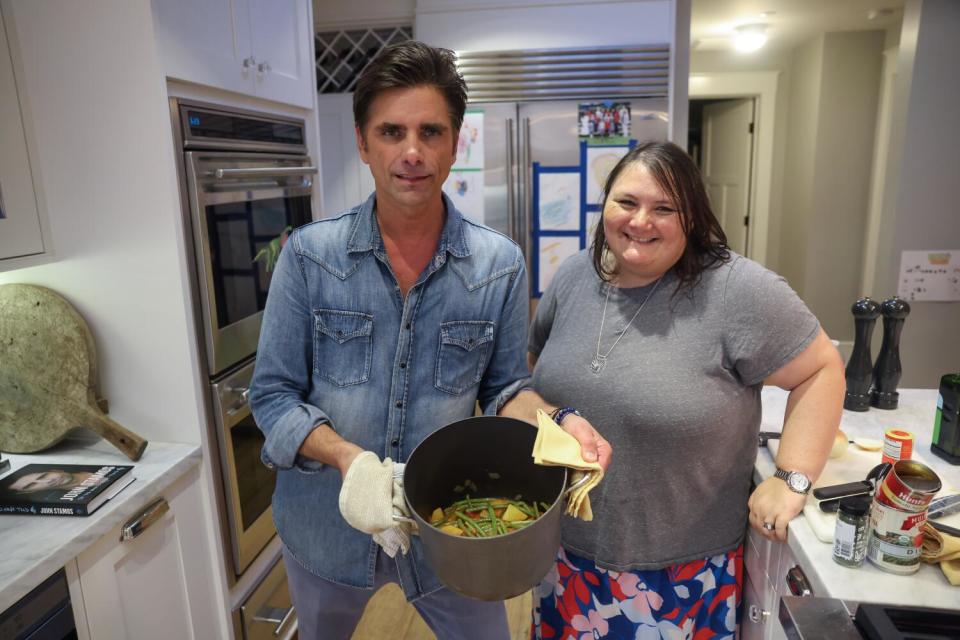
point(139, 523)
point(798, 583)
point(757, 615)
point(272, 615)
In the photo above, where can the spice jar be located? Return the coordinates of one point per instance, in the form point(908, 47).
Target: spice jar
point(853, 526)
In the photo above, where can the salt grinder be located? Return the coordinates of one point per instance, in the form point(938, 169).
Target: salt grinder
point(887, 371)
point(860, 367)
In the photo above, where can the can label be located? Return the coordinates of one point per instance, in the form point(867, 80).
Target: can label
point(908, 486)
point(897, 445)
point(896, 538)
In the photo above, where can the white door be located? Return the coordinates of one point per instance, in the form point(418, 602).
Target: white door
point(728, 165)
point(281, 32)
point(346, 180)
point(206, 42)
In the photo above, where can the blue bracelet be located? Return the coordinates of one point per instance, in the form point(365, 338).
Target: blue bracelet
point(557, 415)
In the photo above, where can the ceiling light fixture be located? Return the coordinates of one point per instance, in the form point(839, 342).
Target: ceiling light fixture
point(749, 37)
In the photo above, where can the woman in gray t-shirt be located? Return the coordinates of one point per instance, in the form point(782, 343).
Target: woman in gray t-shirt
point(662, 338)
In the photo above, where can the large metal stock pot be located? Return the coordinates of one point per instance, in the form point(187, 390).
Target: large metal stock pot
point(496, 454)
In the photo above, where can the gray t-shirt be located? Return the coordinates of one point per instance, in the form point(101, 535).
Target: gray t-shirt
point(678, 399)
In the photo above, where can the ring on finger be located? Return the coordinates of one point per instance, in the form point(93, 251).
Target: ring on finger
point(769, 526)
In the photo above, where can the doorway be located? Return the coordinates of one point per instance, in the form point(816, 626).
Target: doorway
point(721, 141)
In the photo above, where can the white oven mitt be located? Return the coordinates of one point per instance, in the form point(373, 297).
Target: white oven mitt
point(372, 492)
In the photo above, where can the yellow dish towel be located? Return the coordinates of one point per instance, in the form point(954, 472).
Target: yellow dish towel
point(555, 447)
point(943, 548)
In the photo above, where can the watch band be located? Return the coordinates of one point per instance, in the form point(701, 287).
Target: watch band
point(558, 414)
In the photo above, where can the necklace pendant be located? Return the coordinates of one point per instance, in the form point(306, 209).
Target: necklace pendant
point(597, 364)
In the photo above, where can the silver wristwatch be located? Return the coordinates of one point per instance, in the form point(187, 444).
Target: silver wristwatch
point(795, 480)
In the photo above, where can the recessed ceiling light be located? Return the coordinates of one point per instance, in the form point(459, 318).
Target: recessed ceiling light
point(749, 37)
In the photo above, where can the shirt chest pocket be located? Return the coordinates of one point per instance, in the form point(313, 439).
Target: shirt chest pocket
point(463, 354)
point(342, 346)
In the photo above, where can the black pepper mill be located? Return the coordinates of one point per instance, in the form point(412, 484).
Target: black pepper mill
point(886, 373)
point(860, 367)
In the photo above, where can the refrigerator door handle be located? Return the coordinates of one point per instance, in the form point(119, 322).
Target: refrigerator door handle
point(526, 192)
point(511, 186)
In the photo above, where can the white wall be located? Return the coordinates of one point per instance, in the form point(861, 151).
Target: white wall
point(920, 207)
point(800, 157)
point(97, 100)
point(837, 221)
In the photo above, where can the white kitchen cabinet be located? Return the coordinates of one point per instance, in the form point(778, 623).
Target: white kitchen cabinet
point(21, 233)
point(154, 585)
point(257, 47)
point(767, 565)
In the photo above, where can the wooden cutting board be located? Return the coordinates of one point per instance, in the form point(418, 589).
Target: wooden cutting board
point(48, 375)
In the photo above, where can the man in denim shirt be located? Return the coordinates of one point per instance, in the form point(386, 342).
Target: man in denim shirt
point(382, 325)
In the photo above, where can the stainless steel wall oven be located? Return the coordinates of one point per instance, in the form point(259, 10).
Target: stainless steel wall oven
point(246, 182)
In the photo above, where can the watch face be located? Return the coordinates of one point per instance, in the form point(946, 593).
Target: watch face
point(798, 482)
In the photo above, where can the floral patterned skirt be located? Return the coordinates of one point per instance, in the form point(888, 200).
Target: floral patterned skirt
point(693, 600)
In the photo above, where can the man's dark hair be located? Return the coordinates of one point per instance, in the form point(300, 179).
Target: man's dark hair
point(406, 65)
point(677, 174)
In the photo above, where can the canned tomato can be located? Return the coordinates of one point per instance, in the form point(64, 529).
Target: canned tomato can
point(908, 486)
point(897, 445)
point(896, 538)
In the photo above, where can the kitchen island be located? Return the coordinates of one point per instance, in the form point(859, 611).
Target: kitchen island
point(928, 586)
point(34, 547)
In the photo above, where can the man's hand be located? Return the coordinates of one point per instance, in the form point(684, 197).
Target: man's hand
point(593, 446)
point(774, 503)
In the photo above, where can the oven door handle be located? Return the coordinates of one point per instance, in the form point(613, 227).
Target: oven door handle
point(244, 393)
point(256, 172)
point(275, 616)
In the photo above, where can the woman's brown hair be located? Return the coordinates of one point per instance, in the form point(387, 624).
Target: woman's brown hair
point(677, 174)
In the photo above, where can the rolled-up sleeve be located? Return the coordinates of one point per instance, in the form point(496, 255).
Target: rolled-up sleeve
point(281, 379)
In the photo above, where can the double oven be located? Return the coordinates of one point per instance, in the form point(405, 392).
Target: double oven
point(246, 183)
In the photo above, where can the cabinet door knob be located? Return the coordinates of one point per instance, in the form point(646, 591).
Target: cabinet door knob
point(758, 615)
point(140, 522)
point(249, 62)
point(263, 67)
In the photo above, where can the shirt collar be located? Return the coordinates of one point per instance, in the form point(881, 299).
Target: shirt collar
point(365, 235)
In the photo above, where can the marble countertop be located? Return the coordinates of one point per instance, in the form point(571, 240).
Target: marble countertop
point(34, 547)
point(928, 587)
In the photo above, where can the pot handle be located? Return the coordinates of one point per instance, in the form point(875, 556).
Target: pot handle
point(399, 518)
point(576, 485)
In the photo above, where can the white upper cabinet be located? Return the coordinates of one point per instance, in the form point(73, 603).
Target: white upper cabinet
point(256, 47)
point(20, 230)
point(281, 36)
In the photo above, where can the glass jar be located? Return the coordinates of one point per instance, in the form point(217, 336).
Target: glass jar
point(853, 526)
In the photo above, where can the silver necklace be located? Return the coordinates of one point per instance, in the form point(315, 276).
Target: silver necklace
point(600, 360)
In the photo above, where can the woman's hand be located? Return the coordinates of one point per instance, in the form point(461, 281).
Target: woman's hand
point(772, 502)
point(593, 447)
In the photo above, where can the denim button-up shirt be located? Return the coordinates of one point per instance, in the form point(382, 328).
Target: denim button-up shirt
point(340, 344)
